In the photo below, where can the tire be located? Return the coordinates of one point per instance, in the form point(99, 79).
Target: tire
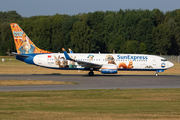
point(91, 73)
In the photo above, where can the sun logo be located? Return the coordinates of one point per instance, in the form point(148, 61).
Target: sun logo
point(163, 65)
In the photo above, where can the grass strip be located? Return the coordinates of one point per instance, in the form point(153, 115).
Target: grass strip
point(160, 104)
point(32, 82)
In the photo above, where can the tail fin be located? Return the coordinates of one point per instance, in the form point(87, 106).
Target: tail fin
point(23, 44)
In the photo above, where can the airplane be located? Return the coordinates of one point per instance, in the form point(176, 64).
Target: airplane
point(104, 63)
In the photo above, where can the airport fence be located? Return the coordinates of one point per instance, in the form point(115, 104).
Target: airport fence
point(172, 58)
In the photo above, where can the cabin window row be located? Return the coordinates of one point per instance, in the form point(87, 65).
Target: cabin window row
point(103, 60)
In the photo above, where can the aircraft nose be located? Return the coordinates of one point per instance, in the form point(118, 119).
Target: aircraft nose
point(170, 64)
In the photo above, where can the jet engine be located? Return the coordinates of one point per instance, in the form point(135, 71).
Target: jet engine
point(109, 69)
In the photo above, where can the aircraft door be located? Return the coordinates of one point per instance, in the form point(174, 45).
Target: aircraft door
point(39, 60)
point(154, 61)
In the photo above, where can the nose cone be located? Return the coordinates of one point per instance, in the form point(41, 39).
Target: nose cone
point(170, 64)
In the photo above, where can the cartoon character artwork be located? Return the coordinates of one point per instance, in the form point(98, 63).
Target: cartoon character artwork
point(23, 43)
point(110, 59)
point(57, 61)
point(124, 66)
point(26, 48)
point(72, 63)
point(61, 61)
point(64, 62)
point(90, 57)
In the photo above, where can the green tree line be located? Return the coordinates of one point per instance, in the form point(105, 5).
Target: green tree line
point(125, 31)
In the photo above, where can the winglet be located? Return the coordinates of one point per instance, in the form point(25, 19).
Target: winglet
point(70, 50)
point(63, 49)
point(65, 54)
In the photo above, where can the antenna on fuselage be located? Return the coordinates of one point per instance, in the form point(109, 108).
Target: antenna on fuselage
point(113, 51)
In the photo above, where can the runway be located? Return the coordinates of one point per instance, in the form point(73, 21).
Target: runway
point(94, 82)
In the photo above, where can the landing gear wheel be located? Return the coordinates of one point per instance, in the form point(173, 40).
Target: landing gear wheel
point(156, 74)
point(91, 73)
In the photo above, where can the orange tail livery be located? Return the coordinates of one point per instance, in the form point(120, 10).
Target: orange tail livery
point(23, 44)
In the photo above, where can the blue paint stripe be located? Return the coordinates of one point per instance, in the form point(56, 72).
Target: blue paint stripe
point(140, 69)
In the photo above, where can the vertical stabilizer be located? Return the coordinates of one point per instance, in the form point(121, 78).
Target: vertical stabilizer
point(23, 44)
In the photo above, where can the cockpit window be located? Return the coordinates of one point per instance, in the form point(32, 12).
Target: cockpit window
point(163, 59)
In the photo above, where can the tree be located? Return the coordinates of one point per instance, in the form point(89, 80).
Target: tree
point(109, 31)
point(143, 48)
point(162, 35)
point(95, 21)
point(10, 16)
point(43, 33)
point(81, 37)
point(119, 44)
point(177, 17)
point(174, 38)
point(159, 17)
point(132, 46)
point(57, 33)
point(67, 25)
point(7, 42)
point(143, 34)
point(130, 22)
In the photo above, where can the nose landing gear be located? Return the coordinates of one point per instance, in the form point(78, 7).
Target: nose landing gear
point(158, 71)
point(156, 74)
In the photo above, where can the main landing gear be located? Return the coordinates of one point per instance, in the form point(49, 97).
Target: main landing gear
point(91, 73)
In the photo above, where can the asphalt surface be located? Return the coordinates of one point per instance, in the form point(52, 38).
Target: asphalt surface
point(94, 82)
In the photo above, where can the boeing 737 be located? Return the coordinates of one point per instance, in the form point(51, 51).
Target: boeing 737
point(104, 63)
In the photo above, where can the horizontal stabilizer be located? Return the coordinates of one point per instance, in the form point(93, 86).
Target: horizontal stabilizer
point(21, 55)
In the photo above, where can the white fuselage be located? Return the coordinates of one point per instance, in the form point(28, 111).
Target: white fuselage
point(123, 61)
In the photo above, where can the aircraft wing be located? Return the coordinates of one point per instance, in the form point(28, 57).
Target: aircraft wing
point(82, 63)
point(88, 64)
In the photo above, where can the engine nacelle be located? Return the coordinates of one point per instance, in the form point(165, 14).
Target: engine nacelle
point(109, 69)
